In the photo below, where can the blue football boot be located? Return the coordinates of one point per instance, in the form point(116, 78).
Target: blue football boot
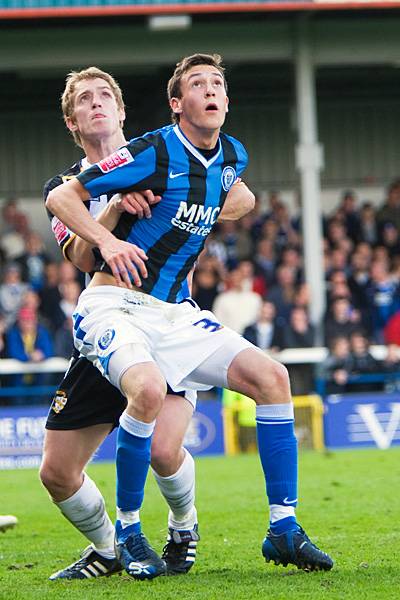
point(295, 547)
point(136, 555)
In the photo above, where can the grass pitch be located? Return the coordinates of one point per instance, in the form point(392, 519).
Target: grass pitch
point(349, 507)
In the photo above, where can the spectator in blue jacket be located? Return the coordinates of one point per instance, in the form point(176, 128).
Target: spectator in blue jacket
point(383, 295)
point(28, 341)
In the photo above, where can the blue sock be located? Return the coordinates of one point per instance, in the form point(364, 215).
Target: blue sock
point(124, 532)
point(133, 461)
point(277, 446)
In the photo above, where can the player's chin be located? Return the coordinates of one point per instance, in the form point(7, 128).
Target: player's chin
point(214, 119)
point(102, 125)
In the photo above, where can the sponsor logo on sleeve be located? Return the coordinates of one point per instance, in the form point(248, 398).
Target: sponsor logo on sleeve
point(59, 229)
point(117, 159)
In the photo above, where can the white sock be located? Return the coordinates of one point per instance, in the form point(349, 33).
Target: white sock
point(278, 512)
point(128, 517)
point(87, 512)
point(179, 491)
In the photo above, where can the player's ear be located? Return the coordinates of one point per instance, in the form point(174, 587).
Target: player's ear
point(72, 126)
point(122, 115)
point(176, 105)
point(227, 104)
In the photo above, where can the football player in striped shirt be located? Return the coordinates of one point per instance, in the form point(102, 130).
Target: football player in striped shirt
point(135, 324)
point(86, 407)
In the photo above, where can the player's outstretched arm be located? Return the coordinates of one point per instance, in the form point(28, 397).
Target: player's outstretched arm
point(125, 260)
point(79, 251)
point(239, 201)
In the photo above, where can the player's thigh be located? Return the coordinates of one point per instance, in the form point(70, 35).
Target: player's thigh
point(68, 452)
point(258, 376)
point(171, 426)
point(213, 371)
point(247, 370)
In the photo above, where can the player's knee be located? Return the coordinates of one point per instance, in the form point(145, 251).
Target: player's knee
point(165, 458)
point(274, 383)
point(59, 481)
point(148, 396)
point(281, 376)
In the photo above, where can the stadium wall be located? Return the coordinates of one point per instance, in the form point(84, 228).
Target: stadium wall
point(358, 85)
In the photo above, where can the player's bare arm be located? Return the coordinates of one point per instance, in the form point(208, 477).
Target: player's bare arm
point(79, 251)
point(239, 201)
point(124, 259)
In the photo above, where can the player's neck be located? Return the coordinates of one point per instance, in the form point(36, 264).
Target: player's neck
point(97, 149)
point(204, 139)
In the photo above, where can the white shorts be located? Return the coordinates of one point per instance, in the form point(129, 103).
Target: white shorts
point(177, 337)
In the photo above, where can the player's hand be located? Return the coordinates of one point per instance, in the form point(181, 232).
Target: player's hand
point(136, 203)
point(125, 260)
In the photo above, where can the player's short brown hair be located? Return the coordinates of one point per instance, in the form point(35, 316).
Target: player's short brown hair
point(183, 66)
point(68, 95)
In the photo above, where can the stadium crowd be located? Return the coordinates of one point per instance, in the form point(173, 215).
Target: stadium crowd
point(250, 274)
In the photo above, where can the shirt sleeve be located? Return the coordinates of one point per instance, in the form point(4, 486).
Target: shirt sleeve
point(63, 235)
point(243, 158)
point(122, 170)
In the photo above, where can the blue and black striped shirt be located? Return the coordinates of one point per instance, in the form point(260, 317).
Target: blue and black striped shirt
point(193, 191)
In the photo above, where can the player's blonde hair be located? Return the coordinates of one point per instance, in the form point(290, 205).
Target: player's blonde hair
point(183, 66)
point(68, 95)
